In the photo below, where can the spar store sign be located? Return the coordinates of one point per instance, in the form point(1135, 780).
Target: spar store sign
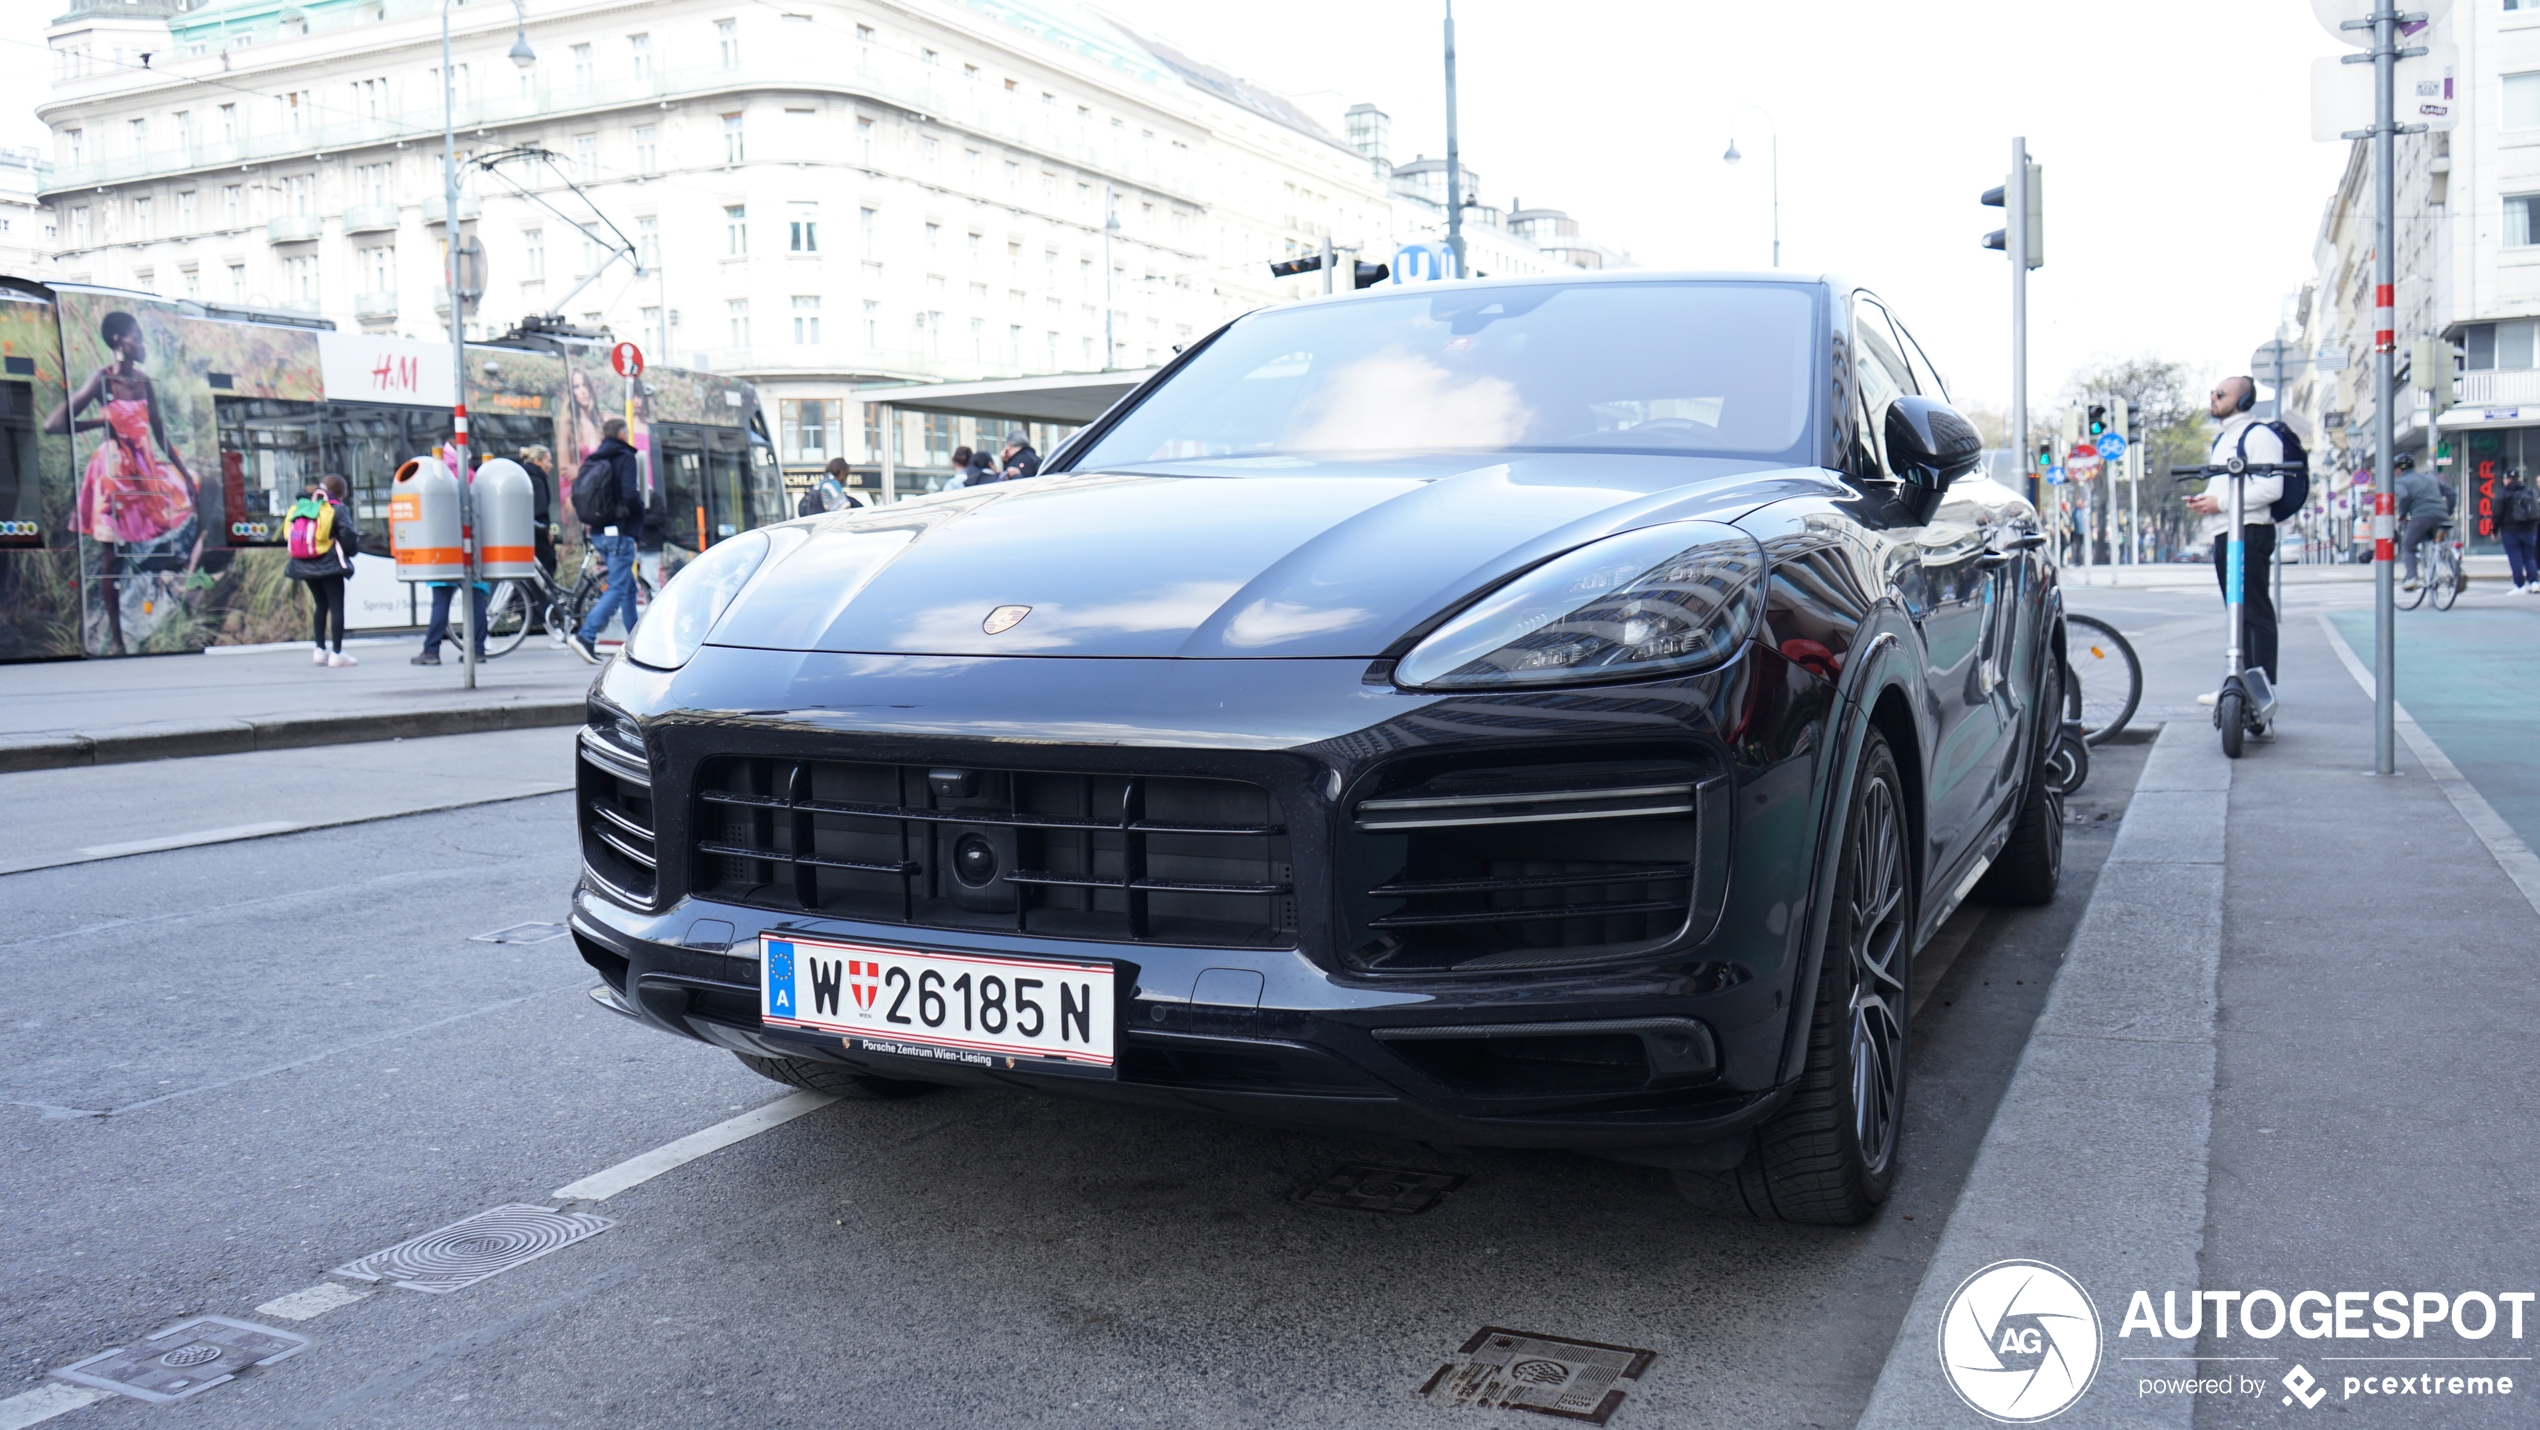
point(359, 367)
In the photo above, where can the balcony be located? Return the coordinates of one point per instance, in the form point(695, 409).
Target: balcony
point(436, 206)
point(375, 307)
point(294, 228)
point(373, 218)
point(2511, 387)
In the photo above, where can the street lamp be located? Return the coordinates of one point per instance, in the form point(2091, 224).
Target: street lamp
point(1733, 156)
point(524, 57)
point(1110, 226)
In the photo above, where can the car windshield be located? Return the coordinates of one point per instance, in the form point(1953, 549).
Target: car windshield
point(1695, 368)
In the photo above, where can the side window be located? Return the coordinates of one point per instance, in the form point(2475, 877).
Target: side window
point(1879, 375)
point(1926, 377)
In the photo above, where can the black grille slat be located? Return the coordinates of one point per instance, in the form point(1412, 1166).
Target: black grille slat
point(1107, 856)
point(613, 798)
point(1524, 865)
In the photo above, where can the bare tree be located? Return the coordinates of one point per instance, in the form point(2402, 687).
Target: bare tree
point(2169, 423)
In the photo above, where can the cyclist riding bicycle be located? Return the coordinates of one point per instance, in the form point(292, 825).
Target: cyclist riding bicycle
point(2424, 507)
point(2254, 443)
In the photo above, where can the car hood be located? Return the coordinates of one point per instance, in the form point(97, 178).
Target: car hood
point(1265, 558)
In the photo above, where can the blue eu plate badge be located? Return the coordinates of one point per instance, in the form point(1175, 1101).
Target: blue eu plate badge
point(780, 978)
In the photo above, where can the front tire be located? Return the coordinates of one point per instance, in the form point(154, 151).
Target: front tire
point(1828, 1158)
point(813, 1076)
point(2232, 714)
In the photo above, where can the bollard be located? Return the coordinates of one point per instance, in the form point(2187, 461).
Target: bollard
point(506, 515)
point(423, 522)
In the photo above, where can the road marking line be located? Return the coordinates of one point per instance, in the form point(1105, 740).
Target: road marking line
point(312, 1303)
point(2503, 845)
point(43, 1403)
point(264, 830)
point(635, 1171)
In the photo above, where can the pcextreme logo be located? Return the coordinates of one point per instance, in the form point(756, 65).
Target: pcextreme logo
point(2019, 1341)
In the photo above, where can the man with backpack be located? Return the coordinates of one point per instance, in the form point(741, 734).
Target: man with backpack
point(2423, 506)
point(2518, 526)
point(608, 498)
point(2264, 501)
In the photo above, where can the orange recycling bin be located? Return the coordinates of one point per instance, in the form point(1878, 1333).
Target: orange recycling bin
point(506, 517)
point(423, 522)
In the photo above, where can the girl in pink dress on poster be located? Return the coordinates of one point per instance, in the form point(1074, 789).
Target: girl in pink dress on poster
point(127, 496)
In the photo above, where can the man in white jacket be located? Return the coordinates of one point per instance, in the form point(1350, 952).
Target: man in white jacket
point(2255, 443)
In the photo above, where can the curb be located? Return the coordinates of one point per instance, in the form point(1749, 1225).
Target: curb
point(125, 745)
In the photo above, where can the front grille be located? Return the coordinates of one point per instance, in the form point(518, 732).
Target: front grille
point(1523, 867)
point(614, 807)
point(1122, 858)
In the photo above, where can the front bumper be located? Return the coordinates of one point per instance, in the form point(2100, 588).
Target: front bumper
point(1515, 1056)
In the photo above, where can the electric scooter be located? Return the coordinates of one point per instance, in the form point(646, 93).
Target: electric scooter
point(2245, 705)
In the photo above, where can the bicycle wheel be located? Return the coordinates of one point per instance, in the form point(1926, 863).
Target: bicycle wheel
point(2104, 680)
point(2408, 600)
point(506, 618)
point(2448, 579)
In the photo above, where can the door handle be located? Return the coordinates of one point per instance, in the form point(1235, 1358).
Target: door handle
point(2010, 550)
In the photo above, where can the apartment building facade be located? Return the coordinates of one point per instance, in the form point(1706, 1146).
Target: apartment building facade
point(810, 194)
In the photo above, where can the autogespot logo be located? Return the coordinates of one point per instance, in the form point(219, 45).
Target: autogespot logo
point(2019, 1341)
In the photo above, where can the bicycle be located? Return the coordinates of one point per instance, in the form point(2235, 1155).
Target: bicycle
point(2439, 570)
point(2103, 678)
point(566, 610)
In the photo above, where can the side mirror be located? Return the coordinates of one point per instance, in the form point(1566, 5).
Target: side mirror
point(1928, 444)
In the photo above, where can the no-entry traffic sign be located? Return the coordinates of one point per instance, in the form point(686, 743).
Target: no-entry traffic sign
point(628, 359)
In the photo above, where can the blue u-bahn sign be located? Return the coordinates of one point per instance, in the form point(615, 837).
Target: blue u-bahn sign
point(1423, 263)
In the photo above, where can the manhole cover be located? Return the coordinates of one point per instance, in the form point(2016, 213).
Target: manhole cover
point(466, 1252)
point(1501, 1369)
point(521, 933)
point(187, 1358)
point(1379, 1189)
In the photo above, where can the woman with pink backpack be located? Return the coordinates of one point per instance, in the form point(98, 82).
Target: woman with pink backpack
point(319, 531)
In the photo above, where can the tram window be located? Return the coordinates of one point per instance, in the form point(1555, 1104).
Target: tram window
point(21, 492)
point(268, 457)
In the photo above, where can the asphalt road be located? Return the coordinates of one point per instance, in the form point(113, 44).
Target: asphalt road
point(235, 1067)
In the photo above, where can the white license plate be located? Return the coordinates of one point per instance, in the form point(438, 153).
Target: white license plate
point(985, 1010)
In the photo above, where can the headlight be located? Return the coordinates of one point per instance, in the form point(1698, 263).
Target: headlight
point(1665, 600)
point(693, 600)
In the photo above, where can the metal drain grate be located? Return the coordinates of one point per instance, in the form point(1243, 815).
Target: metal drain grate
point(1501, 1369)
point(1380, 1189)
point(520, 933)
point(187, 1358)
point(466, 1252)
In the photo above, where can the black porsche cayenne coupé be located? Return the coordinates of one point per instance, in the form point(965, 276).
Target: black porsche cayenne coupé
point(1542, 713)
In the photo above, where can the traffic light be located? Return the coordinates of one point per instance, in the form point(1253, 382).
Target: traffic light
point(1289, 268)
point(1997, 197)
point(2430, 371)
point(2098, 421)
point(1370, 274)
point(2045, 455)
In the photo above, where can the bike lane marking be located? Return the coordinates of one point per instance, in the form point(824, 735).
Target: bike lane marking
point(2507, 848)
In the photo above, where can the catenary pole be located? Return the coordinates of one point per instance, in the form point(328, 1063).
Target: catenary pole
point(465, 598)
point(2385, 663)
point(1454, 161)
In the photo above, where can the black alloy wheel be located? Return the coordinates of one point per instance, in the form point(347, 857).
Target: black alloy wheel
point(1829, 1156)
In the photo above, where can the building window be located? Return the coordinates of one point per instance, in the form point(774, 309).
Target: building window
point(533, 263)
point(978, 340)
point(238, 282)
point(803, 227)
point(648, 242)
point(736, 231)
point(864, 228)
point(727, 37)
point(2522, 220)
point(646, 158)
point(651, 318)
point(146, 280)
point(639, 51)
point(2522, 100)
point(233, 205)
point(934, 239)
point(737, 312)
point(811, 428)
point(299, 190)
point(190, 281)
point(75, 144)
point(873, 324)
point(300, 282)
point(732, 139)
point(2496, 345)
point(141, 218)
point(1014, 347)
point(140, 131)
point(864, 141)
point(379, 269)
point(806, 320)
point(864, 49)
point(586, 155)
point(370, 183)
point(79, 226)
point(185, 212)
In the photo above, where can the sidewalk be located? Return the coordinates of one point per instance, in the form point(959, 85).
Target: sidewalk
point(92, 712)
point(2288, 1050)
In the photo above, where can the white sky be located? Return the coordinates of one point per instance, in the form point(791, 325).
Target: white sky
point(2183, 191)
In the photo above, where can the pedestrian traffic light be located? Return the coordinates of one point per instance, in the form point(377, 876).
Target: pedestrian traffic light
point(2098, 424)
point(2045, 455)
point(1997, 197)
